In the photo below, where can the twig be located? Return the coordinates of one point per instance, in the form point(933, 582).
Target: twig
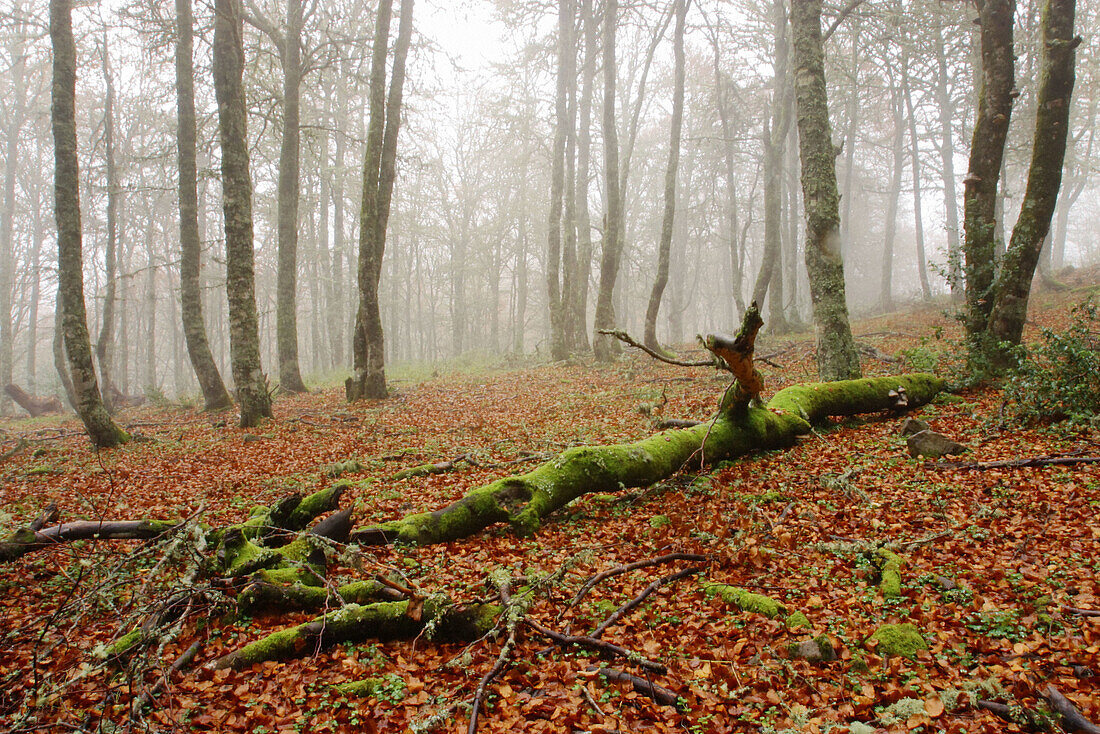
point(1072, 718)
point(1014, 463)
point(591, 701)
point(633, 603)
point(629, 340)
point(663, 696)
point(593, 644)
point(180, 663)
point(612, 572)
point(501, 663)
point(1081, 612)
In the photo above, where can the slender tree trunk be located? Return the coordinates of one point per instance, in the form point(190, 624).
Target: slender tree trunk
point(559, 348)
point(36, 285)
point(914, 162)
point(664, 247)
point(947, 159)
point(244, 347)
point(850, 134)
point(837, 357)
point(151, 383)
point(101, 429)
point(986, 157)
point(584, 165)
point(60, 361)
point(570, 325)
point(379, 169)
point(897, 149)
point(723, 102)
point(775, 135)
point(1013, 285)
point(103, 348)
point(215, 396)
point(605, 347)
point(7, 220)
point(286, 313)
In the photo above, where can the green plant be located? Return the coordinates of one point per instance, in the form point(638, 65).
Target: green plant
point(1060, 377)
point(1001, 624)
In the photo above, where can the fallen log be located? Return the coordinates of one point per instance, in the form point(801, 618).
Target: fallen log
point(34, 405)
point(661, 695)
point(26, 540)
point(1072, 719)
point(1015, 463)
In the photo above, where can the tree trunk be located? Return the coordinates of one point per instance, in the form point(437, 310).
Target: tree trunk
point(606, 348)
point(664, 247)
point(244, 347)
point(89, 405)
point(1006, 320)
point(584, 164)
point(286, 310)
point(986, 156)
point(897, 149)
point(368, 347)
point(559, 348)
point(851, 132)
point(946, 110)
point(914, 161)
point(837, 357)
point(103, 347)
point(775, 135)
point(215, 396)
point(60, 360)
point(7, 220)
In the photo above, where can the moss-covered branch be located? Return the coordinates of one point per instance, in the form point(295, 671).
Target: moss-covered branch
point(381, 621)
point(524, 500)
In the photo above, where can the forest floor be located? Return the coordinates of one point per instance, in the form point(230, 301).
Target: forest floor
point(991, 558)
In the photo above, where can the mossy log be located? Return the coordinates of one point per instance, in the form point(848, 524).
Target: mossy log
point(380, 621)
point(524, 500)
point(26, 540)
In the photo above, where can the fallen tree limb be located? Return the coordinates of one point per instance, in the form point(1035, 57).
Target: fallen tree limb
point(612, 572)
point(1081, 612)
point(633, 603)
point(179, 664)
point(677, 423)
point(631, 341)
point(26, 540)
point(661, 695)
point(441, 467)
point(33, 404)
point(1072, 719)
point(355, 622)
point(1015, 463)
point(605, 648)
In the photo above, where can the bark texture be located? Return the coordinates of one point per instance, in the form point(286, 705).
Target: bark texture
point(1013, 283)
point(607, 348)
point(286, 309)
point(89, 404)
point(664, 247)
point(379, 170)
point(995, 19)
point(244, 347)
point(837, 356)
point(215, 396)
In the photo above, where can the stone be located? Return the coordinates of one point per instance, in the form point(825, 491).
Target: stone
point(913, 425)
point(932, 445)
point(816, 650)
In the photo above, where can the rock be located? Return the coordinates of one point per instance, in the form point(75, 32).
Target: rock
point(249, 438)
point(913, 425)
point(933, 445)
point(946, 584)
point(818, 650)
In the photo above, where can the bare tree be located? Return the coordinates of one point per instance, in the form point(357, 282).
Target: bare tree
point(252, 393)
point(89, 405)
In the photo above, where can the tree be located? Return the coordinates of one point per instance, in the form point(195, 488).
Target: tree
point(89, 404)
point(104, 347)
point(997, 298)
point(1013, 283)
point(567, 56)
point(289, 45)
point(215, 396)
point(675, 126)
point(605, 347)
point(837, 357)
point(244, 347)
point(379, 170)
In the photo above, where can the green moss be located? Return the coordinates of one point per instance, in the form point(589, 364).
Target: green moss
point(797, 620)
point(658, 521)
point(313, 506)
point(858, 727)
point(362, 688)
point(889, 566)
point(899, 639)
point(124, 645)
point(901, 710)
point(747, 601)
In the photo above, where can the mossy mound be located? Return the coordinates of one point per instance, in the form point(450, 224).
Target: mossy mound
point(798, 620)
point(748, 601)
point(899, 639)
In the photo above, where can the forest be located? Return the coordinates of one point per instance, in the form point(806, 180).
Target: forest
point(582, 366)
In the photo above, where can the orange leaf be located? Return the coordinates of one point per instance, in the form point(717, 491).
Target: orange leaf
point(933, 706)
